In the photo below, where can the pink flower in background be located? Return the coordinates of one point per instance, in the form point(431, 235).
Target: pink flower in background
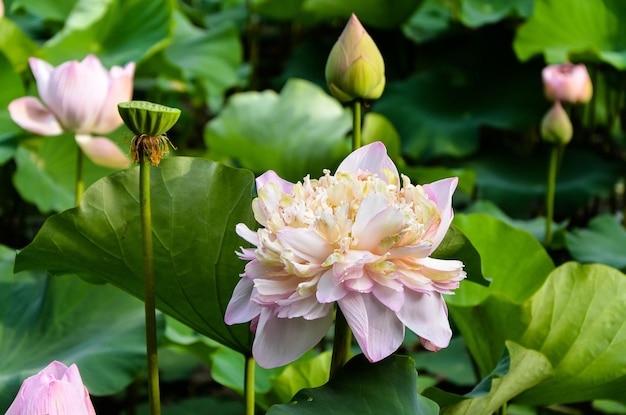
point(567, 83)
point(56, 390)
point(360, 238)
point(81, 98)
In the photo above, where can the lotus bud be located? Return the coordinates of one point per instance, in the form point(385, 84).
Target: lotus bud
point(556, 127)
point(149, 122)
point(567, 83)
point(355, 68)
point(56, 390)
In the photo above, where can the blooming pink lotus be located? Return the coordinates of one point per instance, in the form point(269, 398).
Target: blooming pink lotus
point(81, 98)
point(567, 83)
point(359, 238)
point(56, 390)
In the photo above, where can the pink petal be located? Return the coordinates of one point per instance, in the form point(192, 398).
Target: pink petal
point(41, 71)
point(247, 234)
point(30, 114)
point(103, 151)
point(76, 92)
point(120, 90)
point(372, 158)
point(55, 390)
point(376, 328)
point(390, 298)
point(270, 176)
point(305, 243)
point(371, 206)
point(385, 223)
point(441, 192)
point(241, 308)
point(279, 341)
point(427, 316)
point(329, 289)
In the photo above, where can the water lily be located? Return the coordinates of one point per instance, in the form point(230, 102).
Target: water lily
point(355, 68)
point(361, 238)
point(80, 98)
point(567, 83)
point(56, 390)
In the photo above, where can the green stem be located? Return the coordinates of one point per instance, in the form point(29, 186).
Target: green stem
point(503, 409)
point(552, 168)
point(248, 388)
point(341, 344)
point(356, 125)
point(80, 185)
point(148, 272)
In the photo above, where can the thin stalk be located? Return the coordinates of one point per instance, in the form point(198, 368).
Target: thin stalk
point(503, 409)
point(356, 125)
point(80, 185)
point(552, 168)
point(148, 272)
point(248, 387)
point(341, 344)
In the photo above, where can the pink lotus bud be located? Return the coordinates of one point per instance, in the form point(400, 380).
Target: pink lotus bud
point(56, 390)
point(567, 83)
point(556, 127)
point(355, 68)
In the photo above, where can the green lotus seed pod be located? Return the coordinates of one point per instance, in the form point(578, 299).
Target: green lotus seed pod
point(147, 118)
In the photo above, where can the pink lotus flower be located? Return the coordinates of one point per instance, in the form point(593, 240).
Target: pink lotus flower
point(56, 390)
point(359, 238)
point(81, 98)
point(567, 83)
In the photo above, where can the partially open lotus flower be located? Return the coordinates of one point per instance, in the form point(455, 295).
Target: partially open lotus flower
point(567, 83)
point(361, 238)
point(80, 98)
point(355, 68)
point(56, 390)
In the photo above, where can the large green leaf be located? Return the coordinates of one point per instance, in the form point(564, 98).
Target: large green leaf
point(523, 369)
point(517, 266)
point(212, 56)
point(42, 319)
point(298, 132)
point(46, 172)
point(577, 321)
point(512, 259)
point(117, 31)
point(603, 241)
point(195, 206)
point(564, 30)
point(358, 389)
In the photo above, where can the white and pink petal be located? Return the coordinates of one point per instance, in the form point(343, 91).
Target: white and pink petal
point(279, 341)
point(30, 114)
point(377, 329)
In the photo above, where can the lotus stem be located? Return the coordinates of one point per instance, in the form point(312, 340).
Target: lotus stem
point(341, 344)
point(248, 387)
point(356, 125)
point(148, 272)
point(552, 168)
point(80, 185)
